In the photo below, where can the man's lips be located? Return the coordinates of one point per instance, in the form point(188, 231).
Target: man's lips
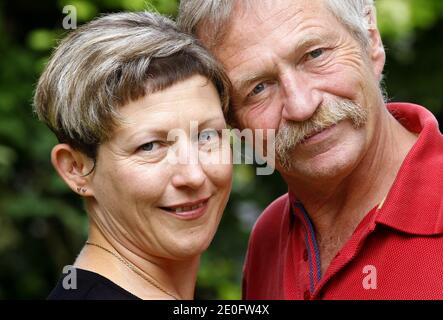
point(317, 136)
point(188, 210)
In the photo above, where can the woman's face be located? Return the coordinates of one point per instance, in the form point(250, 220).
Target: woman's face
point(160, 197)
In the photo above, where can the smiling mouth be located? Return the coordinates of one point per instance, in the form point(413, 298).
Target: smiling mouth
point(183, 208)
point(189, 210)
point(316, 133)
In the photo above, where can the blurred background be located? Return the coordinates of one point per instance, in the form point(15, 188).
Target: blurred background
point(42, 223)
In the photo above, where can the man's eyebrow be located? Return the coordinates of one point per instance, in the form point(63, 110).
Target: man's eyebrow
point(307, 41)
point(242, 84)
point(310, 40)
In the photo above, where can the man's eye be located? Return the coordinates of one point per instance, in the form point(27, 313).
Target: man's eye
point(150, 146)
point(257, 90)
point(316, 53)
point(208, 136)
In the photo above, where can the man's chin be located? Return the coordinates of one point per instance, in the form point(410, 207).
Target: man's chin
point(323, 165)
point(309, 172)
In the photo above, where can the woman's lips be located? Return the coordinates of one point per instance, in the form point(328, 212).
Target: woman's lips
point(316, 137)
point(189, 210)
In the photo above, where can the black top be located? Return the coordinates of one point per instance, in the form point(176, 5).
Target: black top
point(90, 286)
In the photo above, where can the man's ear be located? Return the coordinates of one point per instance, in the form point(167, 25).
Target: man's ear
point(376, 48)
point(73, 167)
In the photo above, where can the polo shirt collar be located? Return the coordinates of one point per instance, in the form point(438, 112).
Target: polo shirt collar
point(414, 203)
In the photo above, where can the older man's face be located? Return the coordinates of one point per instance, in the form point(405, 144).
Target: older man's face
point(298, 70)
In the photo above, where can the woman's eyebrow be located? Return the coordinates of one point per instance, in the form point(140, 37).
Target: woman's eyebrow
point(210, 121)
point(139, 133)
point(155, 131)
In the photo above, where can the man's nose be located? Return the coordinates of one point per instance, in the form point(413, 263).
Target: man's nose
point(300, 97)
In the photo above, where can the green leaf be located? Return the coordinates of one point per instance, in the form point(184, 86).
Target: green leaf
point(42, 39)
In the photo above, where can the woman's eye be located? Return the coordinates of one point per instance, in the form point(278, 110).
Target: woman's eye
point(208, 136)
point(257, 90)
point(316, 53)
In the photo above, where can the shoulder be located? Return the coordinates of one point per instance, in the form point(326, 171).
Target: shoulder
point(81, 284)
point(271, 218)
point(267, 231)
point(264, 259)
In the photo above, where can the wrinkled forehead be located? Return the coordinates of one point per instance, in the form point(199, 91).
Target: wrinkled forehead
point(252, 21)
point(256, 28)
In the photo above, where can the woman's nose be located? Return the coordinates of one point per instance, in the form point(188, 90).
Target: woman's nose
point(188, 172)
point(189, 175)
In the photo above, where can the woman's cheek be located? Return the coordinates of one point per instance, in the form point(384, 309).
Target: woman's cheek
point(141, 178)
point(222, 176)
point(217, 165)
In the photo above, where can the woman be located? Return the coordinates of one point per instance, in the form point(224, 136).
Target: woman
point(112, 93)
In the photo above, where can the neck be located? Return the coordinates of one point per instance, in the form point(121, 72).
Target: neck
point(177, 277)
point(337, 204)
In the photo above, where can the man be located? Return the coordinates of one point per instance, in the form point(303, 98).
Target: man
point(363, 218)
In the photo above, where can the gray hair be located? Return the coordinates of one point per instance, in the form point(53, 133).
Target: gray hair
point(109, 62)
point(213, 16)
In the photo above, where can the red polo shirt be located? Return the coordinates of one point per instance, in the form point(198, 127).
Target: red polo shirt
point(396, 252)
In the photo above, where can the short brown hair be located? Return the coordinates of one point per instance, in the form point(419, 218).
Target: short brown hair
point(110, 61)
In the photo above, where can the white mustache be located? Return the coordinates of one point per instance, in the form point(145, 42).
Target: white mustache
point(331, 113)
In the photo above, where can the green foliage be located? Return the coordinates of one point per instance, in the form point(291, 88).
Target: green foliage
point(43, 225)
point(400, 18)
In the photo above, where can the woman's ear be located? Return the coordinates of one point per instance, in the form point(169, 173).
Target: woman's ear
point(376, 48)
point(73, 167)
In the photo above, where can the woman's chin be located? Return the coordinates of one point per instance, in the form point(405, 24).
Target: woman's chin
point(190, 248)
point(186, 253)
point(191, 238)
